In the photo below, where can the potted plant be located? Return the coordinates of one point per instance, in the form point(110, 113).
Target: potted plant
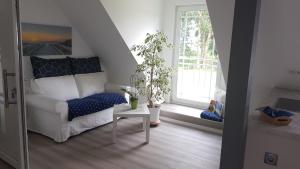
point(133, 98)
point(155, 82)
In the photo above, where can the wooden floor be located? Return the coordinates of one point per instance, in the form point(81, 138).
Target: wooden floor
point(171, 147)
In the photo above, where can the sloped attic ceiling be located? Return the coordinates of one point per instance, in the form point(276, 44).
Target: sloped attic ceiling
point(98, 30)
point(94, 24)
point(221, 14)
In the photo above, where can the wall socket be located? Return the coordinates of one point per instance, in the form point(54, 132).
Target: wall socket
point(271, 158)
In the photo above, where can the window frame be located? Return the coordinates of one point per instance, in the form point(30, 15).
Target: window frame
point(174, 99)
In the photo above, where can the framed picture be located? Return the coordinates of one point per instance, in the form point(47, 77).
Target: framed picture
point(46, 40)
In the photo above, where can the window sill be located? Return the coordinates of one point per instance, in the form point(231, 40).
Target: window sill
point(188, 114)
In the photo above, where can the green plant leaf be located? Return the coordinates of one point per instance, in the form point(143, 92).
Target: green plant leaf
point(156, 79)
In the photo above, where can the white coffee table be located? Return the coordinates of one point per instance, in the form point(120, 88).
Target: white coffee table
point(124, 110)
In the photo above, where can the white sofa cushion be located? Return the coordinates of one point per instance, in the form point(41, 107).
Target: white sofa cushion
point(90, 83)
point(60, 88)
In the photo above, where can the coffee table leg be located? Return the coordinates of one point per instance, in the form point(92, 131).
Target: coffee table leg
point(114, 129)
point(148, 129)
point(144, 123)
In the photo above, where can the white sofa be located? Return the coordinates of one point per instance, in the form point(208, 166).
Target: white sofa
point(47, 109)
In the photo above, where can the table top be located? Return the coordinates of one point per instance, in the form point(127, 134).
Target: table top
point(125, 110)
point(291, 131)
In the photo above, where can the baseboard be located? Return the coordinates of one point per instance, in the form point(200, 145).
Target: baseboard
point(186, 124)
point(14, 163)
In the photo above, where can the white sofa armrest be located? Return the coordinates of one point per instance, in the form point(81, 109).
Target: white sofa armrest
point(47, 104)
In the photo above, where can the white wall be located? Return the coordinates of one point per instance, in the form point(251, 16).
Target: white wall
point(47, 12)
point(277, 53)
point(269, 50)
point(221, 13)
point(287, 148)
point(134, 18)
point(94, 24)
point(133, 23)
point(277, 49)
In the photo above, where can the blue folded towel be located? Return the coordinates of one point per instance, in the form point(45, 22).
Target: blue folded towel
point(211, 116)
point(275, 112)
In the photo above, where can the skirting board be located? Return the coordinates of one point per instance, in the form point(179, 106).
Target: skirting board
point(186, 124)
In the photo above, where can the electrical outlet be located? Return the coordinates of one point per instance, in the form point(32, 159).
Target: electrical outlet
point(271, 158)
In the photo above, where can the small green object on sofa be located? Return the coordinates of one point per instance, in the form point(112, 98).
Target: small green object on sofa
point(134, 102)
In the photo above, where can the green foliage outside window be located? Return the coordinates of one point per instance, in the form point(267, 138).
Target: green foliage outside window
point(197, 43)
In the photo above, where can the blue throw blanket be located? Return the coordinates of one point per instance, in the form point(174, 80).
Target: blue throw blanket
point(272, 112)
point(211, 116)
point(93, 104)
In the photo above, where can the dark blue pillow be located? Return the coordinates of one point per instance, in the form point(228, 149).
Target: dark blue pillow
point(211, 116)
point(50, 67)
point(85, 65)
point(275, 112)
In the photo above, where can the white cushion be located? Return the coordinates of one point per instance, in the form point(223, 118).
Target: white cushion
point(34, 87)
point(90, 83)
point(60, 88)
point(220, 95)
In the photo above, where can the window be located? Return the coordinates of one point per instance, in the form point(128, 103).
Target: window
point(195, 58)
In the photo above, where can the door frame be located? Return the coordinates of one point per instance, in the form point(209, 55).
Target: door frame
point(242, 55)
point(22, 106)
point(24, 161)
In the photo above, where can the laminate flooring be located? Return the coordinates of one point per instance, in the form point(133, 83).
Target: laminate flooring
point(171, 146)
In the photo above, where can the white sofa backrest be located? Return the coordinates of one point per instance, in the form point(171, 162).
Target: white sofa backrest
point(70, 87)
point(60, 88)
point(90, 83)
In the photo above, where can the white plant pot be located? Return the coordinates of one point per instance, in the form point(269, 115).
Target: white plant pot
point(154, 115)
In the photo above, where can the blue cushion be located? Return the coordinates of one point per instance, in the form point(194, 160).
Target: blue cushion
point(93, 104)
point(211, 116)
point(85, 65)
point(50, 67)
point(274, 112)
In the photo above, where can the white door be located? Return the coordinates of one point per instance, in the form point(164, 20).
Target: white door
point(13, 147)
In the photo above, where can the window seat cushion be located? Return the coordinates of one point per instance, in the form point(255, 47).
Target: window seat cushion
point(211, 116)
point(93, 104)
